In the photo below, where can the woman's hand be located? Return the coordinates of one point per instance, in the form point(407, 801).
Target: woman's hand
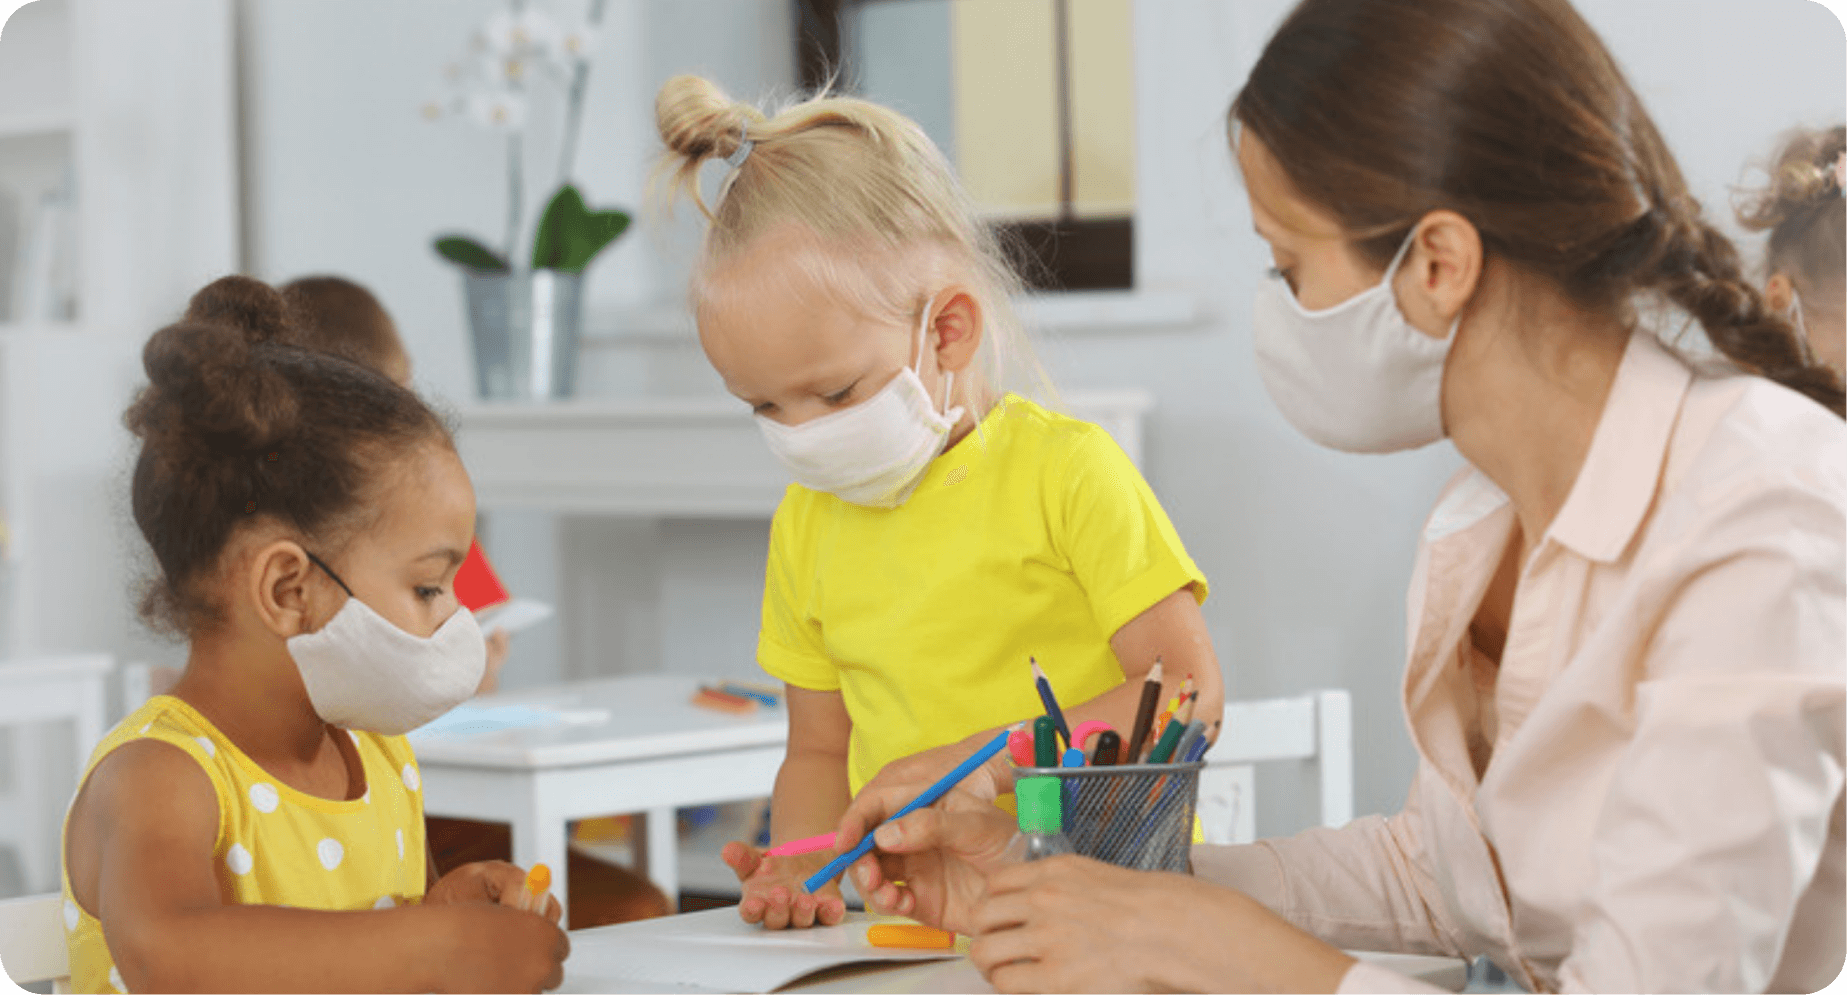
point(493, 881)
point(943, 855)
point(1071, 924)
point(902, 780)
point(773, 892)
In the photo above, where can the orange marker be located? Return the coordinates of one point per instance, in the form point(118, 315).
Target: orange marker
point(720, 701)
point(915, 936)
point(538, 882)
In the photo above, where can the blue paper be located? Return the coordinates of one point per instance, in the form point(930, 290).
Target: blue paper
point(475, 720)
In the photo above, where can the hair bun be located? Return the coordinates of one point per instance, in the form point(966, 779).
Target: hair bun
point(1805, 173)
point(208, 379)
point(697, 121)
point(252, 307)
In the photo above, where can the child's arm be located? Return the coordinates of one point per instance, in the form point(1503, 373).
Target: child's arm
point(143, 831)
point(810, 796)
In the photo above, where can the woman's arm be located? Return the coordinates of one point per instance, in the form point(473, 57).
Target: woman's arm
point(144, 829)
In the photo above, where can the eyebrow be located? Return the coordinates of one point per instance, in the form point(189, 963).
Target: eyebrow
point(454, 556)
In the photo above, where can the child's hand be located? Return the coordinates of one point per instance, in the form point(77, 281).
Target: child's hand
point(773, 892)
point(495, 949)
point(497, 641)
point(494, 881)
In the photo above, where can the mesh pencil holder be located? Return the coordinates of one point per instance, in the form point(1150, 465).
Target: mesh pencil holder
point(1138, 816)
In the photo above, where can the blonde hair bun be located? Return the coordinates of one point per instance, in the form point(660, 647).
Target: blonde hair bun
point(698, 121)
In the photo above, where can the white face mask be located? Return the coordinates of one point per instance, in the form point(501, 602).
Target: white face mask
point(363, 672)
point(1355, 376)
point(874, 452)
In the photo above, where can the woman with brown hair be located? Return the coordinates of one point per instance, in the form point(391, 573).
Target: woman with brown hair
point(1626, 619)
point(1804, 212)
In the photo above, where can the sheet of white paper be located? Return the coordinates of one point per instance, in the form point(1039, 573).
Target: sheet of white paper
point(520, 613)
point(718, 951)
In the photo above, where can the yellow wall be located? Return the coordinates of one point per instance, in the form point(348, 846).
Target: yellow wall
point(1006, 109)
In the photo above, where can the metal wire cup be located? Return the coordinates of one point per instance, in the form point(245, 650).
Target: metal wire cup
point(1138, 816)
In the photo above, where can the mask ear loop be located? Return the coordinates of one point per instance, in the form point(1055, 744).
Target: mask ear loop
point(1404, 249)
point(923, 338)
point(1802, 329)
point(329, 571)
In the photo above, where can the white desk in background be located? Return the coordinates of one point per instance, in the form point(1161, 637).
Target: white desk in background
point(655, 752)
point(627, 957)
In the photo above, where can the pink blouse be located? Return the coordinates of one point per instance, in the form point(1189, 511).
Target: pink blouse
point(1661, 806)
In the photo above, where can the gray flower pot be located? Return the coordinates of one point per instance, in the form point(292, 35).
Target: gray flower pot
point(525, 328)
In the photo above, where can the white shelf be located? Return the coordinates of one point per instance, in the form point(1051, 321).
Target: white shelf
point(691, 457)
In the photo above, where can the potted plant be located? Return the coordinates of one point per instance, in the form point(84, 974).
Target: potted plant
point(525, 319)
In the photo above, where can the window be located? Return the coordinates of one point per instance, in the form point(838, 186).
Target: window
point(1032, 100)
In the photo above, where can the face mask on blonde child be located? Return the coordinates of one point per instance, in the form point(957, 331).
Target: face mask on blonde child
point(847, 292)
point(261, 825)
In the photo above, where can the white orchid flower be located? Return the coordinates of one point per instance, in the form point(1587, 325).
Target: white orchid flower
point(500, 110)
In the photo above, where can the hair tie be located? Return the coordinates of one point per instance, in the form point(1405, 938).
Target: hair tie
point(742, 152)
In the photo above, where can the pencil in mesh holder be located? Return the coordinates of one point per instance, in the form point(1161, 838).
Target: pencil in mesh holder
point(1137, 815)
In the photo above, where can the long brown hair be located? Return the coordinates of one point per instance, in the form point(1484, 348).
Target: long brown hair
point(1512, 114)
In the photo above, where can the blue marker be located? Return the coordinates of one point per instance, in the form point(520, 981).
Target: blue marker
point(1051, 702)
point(931, 794)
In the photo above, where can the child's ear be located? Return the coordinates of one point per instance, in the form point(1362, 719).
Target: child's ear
point(281, 573)
point(958, 328)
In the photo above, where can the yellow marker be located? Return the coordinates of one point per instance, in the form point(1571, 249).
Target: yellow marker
point(909, 934)
point(538, 882)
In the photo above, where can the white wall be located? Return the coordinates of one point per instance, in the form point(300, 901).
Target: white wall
point(1309, 551)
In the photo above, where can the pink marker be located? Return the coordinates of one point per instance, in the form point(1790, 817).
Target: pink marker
point(1020, 747)
point(795, 848)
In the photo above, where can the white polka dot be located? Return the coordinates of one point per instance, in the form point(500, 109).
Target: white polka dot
point(115, 979)
point(367, 797)
point(400, 844)
point(264, 797)
point(411, 780)
point(238, 859)
point(145, 728)
point(206, 745)
point(70, 914)
point(330, 851)
point(387, 902)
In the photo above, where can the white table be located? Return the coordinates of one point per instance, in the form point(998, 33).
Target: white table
point(656, 752)
point(597, 956)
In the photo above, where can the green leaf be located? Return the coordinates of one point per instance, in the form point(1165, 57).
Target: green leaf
point(571, 235)
point(470, 254)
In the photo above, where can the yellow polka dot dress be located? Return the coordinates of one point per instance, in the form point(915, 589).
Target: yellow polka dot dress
point(276, 845)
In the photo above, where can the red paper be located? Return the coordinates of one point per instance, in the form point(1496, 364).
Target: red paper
point(476, 585)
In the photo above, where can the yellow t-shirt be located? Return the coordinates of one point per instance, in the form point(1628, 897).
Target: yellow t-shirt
point(1032, 536)
point(277, 845)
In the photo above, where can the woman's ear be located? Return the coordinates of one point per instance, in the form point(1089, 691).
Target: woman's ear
point(958, 328)
point(1779, 292)
point(281, 587)
point(1440, 273)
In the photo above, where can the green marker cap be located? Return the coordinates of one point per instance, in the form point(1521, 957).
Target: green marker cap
point(1045, 742)
point(1041, 807)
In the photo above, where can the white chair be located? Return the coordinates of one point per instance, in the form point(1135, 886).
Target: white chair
point(32, 944)
point(1315, 727)
point(35, 691)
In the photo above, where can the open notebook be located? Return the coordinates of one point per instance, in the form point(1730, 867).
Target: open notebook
point(717, 951)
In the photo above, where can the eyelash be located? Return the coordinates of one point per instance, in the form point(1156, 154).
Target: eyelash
point(429, 593)
point(841, 397)
point(1278, 273)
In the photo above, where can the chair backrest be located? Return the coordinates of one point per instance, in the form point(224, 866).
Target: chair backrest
point(59, 689)
point(1316, 727)
point(32, 944)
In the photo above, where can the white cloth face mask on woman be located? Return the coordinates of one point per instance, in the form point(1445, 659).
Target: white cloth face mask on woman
point(1355, 376)
point(876, 451)
point(363, 672)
